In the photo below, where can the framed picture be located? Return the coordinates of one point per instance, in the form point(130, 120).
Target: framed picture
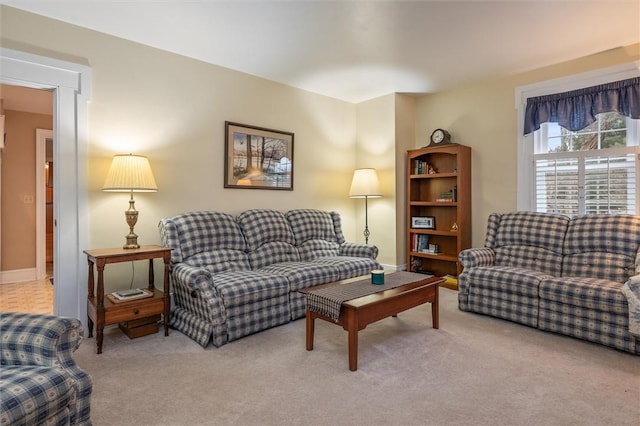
point(257, 158)
point(423, 222)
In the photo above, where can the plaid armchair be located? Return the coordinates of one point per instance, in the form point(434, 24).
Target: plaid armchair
point(40, 383)
point(556, 273)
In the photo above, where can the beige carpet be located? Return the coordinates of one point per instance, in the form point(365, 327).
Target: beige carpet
point(474, 370)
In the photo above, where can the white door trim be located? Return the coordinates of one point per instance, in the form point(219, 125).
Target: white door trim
point(41, 207)
point(70, 83)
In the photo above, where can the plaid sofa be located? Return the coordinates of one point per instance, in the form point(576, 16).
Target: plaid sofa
point(232, 277)
point(556, 273)
point(40, 382)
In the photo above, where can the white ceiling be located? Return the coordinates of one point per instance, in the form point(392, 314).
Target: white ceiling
point(358, 50)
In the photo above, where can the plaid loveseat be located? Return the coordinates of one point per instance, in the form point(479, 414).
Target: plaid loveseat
point(556, 273)
point(40, 382)
point(236, 276)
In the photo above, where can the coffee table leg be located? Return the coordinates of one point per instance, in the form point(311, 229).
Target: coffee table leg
point(310, 330)
point(435, 310)
point(352, 329)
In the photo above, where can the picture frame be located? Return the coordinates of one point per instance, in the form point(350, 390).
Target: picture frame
point(423, 222)
point(257, 157)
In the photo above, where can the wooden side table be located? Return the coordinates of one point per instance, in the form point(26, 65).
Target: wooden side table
point(102, 311)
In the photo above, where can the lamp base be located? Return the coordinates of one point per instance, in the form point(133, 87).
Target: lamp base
point(132, 218)
point(132, 242)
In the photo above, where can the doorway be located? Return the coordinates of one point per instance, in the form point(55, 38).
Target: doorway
point(70, 83)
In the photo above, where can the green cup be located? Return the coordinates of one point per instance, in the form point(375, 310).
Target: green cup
point(377, 276)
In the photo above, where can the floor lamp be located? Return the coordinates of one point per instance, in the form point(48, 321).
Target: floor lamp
point(365, 185)
point(130, 173)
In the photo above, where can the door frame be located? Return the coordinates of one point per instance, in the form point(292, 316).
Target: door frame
point(71, 84)
point(41, 210)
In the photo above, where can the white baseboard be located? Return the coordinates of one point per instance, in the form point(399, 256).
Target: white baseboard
point(17, 275)
point(394, 267)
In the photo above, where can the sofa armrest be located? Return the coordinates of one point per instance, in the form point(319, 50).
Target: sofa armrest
point(358, 250)
point(474, 257)
point(34, 339)
point(194, 279)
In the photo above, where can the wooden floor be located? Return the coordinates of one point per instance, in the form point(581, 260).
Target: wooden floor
point(34, 297)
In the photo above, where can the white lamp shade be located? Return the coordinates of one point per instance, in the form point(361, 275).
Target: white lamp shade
point(130, 172)
point(365, 184)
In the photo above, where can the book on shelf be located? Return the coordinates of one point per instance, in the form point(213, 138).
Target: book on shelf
point(135, 293)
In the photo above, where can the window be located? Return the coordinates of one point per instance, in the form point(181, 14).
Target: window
point(595, 166)
point(592, 170)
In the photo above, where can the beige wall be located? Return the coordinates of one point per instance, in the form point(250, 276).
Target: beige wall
point(483, 116)
point(173, 109)
point(19, 181)
point(376, 149)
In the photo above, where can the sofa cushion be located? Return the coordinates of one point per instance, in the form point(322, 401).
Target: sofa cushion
point(32, 394)
point(602, 246)
point(273, 252)
point(531, 240)
point(303, 274)
point(197, 232)
point(308, 224)
point(239, 288)
point(529, 258)
point(220, 260)
point(261, 226)
point(349, 266)
point(592, 293)
point(312, 249)
point(505, 280)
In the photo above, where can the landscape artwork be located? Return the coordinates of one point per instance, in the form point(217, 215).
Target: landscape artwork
point(257, 158)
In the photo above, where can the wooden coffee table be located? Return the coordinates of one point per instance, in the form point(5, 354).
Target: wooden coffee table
point(356, 314)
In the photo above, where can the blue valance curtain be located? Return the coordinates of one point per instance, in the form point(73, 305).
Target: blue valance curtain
point(577, 109)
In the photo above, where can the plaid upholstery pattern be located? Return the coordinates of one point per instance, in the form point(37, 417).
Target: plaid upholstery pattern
point(31, 341)
point(492, 229)
point(531, 241)
point(471, 258)
point(527, 257)
point(591, 293)
point(192, 233)
point(303, 274)
point(358, 250)
point(298, 305)
point(337, 226)
point(512, 307)
point(350, 267)
point(33, 394)
point(232, 277)
point(604, 246)
point(542, 230)
point(262, 226)
point(273, 252)
point(605, 328)
point(255, 321)
point(222, 260)
point(310, 224)
point(240, 288)
point(198, 329)
point(505, 292)
point(312, 249)
point(581, 265)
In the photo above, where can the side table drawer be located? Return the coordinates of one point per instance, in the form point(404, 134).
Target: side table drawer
point(133, 310)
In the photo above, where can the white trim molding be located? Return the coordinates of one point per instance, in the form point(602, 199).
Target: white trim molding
point(70, 83)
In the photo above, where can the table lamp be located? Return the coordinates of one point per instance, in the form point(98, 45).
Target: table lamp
point(365, 185)
point(130, 173)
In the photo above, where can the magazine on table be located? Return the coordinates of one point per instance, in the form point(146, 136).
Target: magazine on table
point(134, 293)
